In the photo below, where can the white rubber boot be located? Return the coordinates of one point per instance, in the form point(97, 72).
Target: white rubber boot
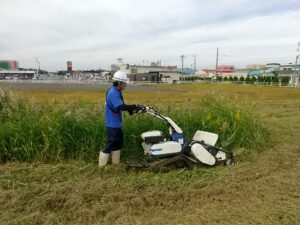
point(103, 158)
point(115, 156)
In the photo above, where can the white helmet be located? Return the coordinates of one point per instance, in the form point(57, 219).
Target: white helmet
point(120, 76)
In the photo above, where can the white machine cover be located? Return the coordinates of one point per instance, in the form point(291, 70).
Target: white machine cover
point(207, 137)
point(202, 154)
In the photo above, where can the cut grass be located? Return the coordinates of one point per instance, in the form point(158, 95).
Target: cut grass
point(262, 188)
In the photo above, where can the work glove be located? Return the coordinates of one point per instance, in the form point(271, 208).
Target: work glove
point(140, 106)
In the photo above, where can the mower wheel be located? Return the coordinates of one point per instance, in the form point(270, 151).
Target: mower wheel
point(170, 164)
point(138, 163)
point(230, 162)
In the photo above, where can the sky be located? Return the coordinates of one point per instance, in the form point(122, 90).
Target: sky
point(94, 33)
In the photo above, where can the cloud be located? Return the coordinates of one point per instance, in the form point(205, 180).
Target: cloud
point(93, 33)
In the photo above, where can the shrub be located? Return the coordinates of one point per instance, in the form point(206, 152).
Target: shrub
point(275, 79)
point(285, 80)
point(235, 78)
point(225, 78)
point(241, 79)
point(268, 79)
point(261, 79)
point(219, 78)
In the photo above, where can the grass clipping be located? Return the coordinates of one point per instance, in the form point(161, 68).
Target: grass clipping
point(55, 131)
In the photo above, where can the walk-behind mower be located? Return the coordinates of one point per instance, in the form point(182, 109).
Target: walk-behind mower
point(178, 151)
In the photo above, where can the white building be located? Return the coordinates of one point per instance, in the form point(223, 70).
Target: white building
point(16, 74)
point(287, 67)
point(153, 73)
point(201, 74)
point(127, 68)
point(271, 67)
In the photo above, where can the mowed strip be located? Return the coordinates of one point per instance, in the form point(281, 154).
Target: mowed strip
point(262, 188)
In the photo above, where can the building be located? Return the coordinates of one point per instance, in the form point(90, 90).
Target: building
point(201, 74)
point(255, 67)
point(151, 77)
point(9, 69)
point(228, 71)
point(271, 67)
point(255, 73)
point(225, 69)
point(15, 74)
point(284, 70)
point(127, 68)
point(153, 73)
point(157, 77)
point(171, 76)
point(240, 73)
point(89, 75)
point(289, 66)
point(114, 67)
point(9, 65)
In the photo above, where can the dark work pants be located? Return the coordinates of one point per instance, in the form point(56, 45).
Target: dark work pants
point(114, 139)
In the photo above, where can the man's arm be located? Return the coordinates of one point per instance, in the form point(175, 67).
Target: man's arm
point(117, 103)
point(125, 107)
point(130, 108)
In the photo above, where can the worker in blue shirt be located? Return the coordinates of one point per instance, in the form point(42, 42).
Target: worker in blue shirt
point(113, 116)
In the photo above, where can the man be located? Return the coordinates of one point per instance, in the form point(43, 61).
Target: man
point(113, 115)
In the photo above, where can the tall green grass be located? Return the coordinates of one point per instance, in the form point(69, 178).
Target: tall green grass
point(52, 131)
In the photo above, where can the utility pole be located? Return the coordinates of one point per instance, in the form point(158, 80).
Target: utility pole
point(195, 63)
point(182, 58)
point(296, 75)
point(217, 60)
point(38, 66)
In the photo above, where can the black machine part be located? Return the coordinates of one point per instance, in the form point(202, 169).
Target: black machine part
point(154, 139)
point(158, 164)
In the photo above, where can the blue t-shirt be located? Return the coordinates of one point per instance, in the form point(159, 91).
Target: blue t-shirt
point(114, 101)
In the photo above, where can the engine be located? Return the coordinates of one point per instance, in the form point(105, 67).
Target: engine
point(155, 144)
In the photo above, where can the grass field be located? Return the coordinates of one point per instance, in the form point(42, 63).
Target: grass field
point(262, 188)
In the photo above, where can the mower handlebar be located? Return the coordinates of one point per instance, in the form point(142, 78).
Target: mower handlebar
point(145, 109)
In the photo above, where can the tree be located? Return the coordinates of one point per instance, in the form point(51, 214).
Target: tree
point(225, 78)
point(230, 78)
point(61, 72)
point(285, 80)
point(219, 78)
point(268, 79)
point(261, 79)
point(235, 78)
point(241, 79)
point(253, 79)
point(275, 80)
